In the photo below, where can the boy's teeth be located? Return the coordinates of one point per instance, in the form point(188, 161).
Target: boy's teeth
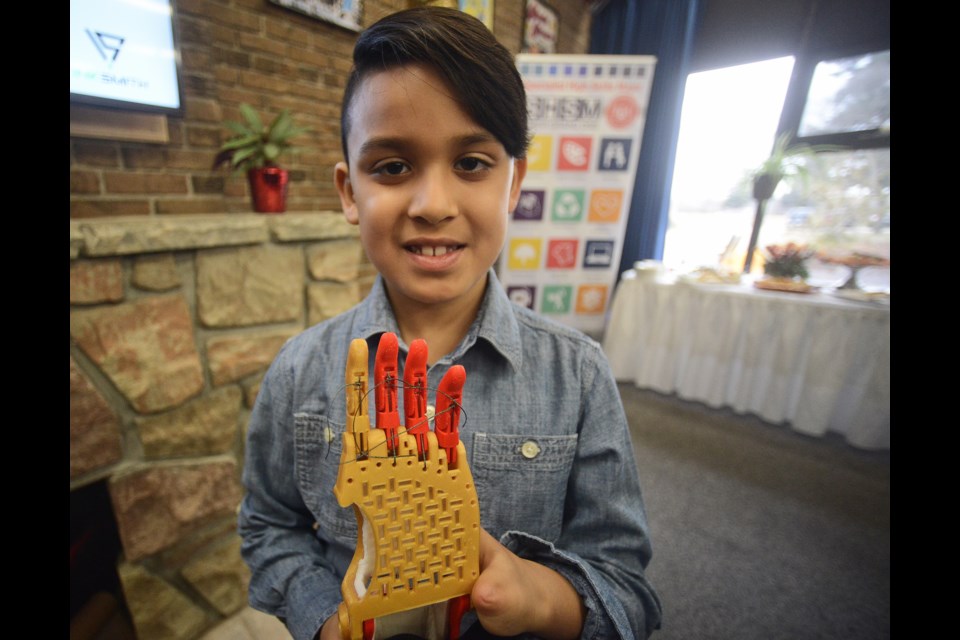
point(433, 251)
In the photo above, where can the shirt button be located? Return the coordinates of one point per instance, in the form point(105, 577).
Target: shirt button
point(530, 449)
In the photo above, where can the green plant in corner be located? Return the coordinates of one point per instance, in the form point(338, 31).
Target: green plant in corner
point(784, 161)
point(255, 145)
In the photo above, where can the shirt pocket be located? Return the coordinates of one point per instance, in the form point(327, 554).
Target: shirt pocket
point(317, 461)
point(521, 481)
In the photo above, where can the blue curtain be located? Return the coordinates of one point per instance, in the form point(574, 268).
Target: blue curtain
point(665, 29)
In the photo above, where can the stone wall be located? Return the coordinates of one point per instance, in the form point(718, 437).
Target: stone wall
point(173, 322)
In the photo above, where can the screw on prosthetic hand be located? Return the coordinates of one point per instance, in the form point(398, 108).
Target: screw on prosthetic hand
point(418, 518)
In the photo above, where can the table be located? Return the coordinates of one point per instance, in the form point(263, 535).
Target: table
point(814, 361)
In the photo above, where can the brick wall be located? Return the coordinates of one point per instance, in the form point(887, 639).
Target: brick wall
point(273, 58)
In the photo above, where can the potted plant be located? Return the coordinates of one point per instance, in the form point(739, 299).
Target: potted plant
point(785, 161)
point(255, 149)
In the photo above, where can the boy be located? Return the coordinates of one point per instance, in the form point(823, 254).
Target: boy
point(434, 134)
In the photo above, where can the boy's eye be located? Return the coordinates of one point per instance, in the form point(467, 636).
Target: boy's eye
point(394, 168)
point(471, 164)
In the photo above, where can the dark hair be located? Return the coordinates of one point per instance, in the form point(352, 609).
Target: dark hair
point(481, 72)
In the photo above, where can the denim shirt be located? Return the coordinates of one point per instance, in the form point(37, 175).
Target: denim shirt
point(575, 506)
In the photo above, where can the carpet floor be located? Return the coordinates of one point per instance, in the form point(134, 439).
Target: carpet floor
point(760, 532)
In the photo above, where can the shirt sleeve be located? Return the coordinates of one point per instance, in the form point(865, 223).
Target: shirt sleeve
point(289, 578)
point(604, 547)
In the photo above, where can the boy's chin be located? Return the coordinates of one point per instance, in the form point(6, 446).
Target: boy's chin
point(439, 292)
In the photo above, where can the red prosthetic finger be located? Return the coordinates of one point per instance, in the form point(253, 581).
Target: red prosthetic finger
point(447, 420)
point(385, 381)
point(456, 608)
point(415, 394)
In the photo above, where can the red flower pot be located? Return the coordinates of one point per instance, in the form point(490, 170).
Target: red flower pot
point(268, 188)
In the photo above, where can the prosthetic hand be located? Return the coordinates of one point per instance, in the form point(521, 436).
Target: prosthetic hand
point(418, 518)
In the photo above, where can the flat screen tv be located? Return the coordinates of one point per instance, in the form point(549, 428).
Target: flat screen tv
point(124, 54)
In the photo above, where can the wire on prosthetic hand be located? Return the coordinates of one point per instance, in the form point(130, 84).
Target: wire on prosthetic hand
point(418, 518)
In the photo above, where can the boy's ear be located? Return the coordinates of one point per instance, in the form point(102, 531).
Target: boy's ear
point(341, 179)
point(519, 173)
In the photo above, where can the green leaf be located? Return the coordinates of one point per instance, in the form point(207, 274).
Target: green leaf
point(237, 143)
point(271, 151)
point(238, 128)
point(251, 116)
point(242, 155)
point(281, 129)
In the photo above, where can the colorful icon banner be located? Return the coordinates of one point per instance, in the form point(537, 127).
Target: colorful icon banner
point(565, 237)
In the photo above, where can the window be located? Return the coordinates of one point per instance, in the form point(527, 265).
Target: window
point(727, 126)
point(840, 206)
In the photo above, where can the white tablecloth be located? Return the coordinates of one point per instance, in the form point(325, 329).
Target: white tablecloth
point(814, 361)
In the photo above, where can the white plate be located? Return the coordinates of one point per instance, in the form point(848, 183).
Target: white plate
point(858, 295)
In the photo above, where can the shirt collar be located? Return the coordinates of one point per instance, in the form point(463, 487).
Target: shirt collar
point(376, 314)
point(495, 321)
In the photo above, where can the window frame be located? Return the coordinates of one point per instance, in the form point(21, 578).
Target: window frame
point(798, 91)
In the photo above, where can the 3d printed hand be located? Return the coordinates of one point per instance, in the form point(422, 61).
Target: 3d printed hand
point(418, 518)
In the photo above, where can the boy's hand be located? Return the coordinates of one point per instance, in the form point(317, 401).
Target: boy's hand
point(514, 596)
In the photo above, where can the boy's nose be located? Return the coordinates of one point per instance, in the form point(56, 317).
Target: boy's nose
point(433, 200)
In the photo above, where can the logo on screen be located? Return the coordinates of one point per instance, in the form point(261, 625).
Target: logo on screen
point(107, 45)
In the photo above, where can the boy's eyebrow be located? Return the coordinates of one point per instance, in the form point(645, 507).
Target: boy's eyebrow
point(390, 143)
point(475, 138)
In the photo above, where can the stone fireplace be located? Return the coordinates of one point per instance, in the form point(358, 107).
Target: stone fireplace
point(173, 321)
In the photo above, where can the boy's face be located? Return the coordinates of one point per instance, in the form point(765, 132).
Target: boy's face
point(430, 188)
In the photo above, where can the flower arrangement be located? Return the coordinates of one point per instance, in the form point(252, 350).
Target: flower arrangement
point(787, 260)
